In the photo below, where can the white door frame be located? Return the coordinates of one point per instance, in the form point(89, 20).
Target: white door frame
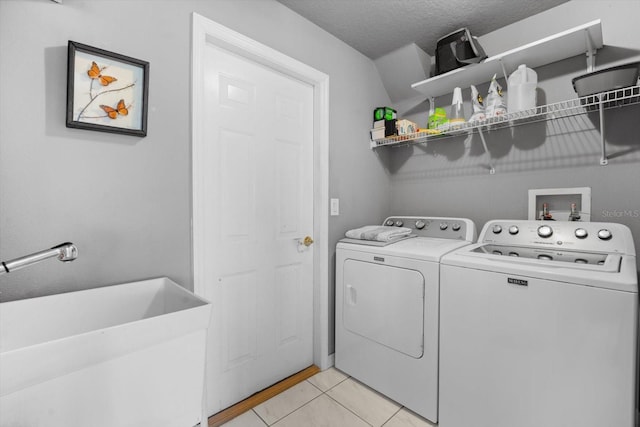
point(206, 32)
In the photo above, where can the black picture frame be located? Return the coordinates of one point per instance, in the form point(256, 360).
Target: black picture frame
point(106, 91)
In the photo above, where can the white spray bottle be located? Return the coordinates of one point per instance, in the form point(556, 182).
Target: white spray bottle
point(457, 112)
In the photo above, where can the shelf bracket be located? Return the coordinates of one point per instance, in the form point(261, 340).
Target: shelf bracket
point(603, 157)
point(432, 106)
point(504, 71)
point(591, 53)
point(492, 170)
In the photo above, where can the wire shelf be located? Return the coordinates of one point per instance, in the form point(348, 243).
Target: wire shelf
point(583, 105)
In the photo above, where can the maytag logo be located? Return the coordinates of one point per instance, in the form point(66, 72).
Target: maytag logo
point(378, 258)
point(517, 281)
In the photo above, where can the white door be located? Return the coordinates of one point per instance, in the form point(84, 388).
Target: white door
point(259, 206)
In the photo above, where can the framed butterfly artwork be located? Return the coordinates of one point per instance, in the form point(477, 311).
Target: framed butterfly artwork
point(106, 91)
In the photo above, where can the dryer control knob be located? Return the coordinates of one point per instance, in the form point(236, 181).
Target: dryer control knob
point(420, 224)
point(513, 230)
point(389, 222)
point(545, 231)
point(455, 227)
point(444, 226)
point(399, 223)
point(581, 233)
point(497, 229)
point(604, 234)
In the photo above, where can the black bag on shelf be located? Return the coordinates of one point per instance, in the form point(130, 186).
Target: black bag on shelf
point(456, 50)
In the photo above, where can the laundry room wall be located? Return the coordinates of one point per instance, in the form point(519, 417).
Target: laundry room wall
point(126, 201)
point(451, 177)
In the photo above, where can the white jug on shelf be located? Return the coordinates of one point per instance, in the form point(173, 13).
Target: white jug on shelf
point(521, 89)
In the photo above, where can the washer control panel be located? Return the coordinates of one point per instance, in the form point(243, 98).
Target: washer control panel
point(445, 228)
point(589, 236)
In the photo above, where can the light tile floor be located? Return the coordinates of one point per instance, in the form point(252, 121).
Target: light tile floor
point(329, 399)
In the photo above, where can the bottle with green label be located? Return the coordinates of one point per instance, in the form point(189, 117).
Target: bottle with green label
point(438, 118)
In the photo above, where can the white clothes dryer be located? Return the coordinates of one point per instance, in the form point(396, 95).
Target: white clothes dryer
point(538, 327)
point(387, 309)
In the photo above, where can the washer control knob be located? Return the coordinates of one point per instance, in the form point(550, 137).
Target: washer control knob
point(389, 222)
point(581, 233)
point(545, 231)
point(399, 223)
point(604, 234)
point(444, 226)
point(497, 229)
point(513, 230)
point(420, 224)
point(455, 227)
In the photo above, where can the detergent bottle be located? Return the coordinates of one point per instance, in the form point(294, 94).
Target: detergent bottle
point(521, 87)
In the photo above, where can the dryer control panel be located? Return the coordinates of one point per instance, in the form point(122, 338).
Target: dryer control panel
point(570, 235)
point(440, 227)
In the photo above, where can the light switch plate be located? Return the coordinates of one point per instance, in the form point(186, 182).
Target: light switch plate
point(335, 207)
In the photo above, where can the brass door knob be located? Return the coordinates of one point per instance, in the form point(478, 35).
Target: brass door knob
point(308, 241)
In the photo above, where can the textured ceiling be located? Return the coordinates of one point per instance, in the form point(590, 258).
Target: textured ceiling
point(377, 27)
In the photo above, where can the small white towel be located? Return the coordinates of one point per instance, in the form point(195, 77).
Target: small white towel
point(378, 233)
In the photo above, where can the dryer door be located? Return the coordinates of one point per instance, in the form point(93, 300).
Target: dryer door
point(385, 304)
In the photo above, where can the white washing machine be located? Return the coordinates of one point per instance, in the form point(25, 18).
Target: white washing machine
point(387, 309)
point(538, 327)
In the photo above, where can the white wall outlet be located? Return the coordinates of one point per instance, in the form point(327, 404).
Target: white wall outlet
point(335, 207)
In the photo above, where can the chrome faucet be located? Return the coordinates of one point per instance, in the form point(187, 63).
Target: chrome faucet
point(574, 215)
point(65, 252)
